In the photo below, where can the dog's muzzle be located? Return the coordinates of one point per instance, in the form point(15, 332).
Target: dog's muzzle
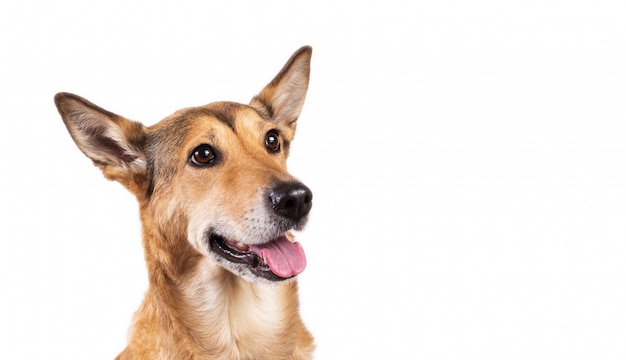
point(278, 258)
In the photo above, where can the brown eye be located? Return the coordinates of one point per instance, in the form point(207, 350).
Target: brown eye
point(203, 155)
point(272, 141)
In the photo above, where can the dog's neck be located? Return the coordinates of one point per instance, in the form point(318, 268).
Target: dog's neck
point(215, 314)
point(240, 309)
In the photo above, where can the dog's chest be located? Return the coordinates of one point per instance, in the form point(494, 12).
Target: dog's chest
point(241, 318)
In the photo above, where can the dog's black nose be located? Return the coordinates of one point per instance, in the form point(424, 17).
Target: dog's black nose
point(291, 200)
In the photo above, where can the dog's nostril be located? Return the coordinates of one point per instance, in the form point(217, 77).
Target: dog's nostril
point(291, 200)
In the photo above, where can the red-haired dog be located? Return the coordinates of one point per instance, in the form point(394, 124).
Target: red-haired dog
point(217, 205)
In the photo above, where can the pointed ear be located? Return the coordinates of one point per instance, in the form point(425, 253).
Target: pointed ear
point(282, 99)
point(115, 144)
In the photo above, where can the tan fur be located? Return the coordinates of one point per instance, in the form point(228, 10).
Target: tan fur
point(194, 308)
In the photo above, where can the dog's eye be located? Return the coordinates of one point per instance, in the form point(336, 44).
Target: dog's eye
point(272, 141)
point(203, 155)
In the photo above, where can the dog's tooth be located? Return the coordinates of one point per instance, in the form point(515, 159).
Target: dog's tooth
point(290, 237)
point(237, 245)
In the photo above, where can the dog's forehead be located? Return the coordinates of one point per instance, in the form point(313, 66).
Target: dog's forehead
point(188, 122)
point(230, 114)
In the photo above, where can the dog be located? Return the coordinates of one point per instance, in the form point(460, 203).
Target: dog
point(217, 209)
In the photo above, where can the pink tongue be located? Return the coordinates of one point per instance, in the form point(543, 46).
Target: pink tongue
point(285, 259)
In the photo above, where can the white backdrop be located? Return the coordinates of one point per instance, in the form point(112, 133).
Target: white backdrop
point(468, 160)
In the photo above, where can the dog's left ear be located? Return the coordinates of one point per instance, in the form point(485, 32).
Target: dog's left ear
point(115, 144)
point(282, 99)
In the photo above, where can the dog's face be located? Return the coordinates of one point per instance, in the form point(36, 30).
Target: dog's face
point(225, 171)
point(214, 176)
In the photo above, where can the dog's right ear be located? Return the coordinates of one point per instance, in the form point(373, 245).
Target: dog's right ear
point(116, 145)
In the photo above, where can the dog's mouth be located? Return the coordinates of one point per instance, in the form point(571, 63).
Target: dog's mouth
point(276, 260)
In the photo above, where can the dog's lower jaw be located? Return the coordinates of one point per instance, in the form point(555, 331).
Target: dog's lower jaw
point(209, 313)
point(251, 265)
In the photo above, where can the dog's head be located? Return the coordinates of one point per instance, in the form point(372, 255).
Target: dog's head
point(213, 177)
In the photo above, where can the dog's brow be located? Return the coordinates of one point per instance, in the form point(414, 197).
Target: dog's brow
point(225, 113)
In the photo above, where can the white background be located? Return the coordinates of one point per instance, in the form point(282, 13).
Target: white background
point(468, 160)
